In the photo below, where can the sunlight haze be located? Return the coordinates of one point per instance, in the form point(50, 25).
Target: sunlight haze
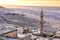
point(31, 2)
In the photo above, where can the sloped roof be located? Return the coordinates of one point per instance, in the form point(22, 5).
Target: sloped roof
point(7, 30)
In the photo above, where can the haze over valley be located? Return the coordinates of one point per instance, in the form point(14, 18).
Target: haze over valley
point(30, 16)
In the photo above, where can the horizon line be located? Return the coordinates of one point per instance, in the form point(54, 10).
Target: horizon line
point(27, 6)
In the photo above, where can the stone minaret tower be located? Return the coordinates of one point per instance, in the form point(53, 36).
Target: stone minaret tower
point(41, 22)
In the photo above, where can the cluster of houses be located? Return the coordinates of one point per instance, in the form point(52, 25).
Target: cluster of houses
point(11, 33)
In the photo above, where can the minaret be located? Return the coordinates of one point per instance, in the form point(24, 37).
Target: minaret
point(41, 23)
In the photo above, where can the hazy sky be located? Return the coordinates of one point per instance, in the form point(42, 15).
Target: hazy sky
point(31, 2)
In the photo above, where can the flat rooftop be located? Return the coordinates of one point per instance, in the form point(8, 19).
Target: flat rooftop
point(8, 38)
point(6, 31)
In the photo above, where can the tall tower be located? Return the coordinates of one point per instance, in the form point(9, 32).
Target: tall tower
point(41, 22)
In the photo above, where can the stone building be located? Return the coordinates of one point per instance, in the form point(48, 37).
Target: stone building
point(10, 32)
